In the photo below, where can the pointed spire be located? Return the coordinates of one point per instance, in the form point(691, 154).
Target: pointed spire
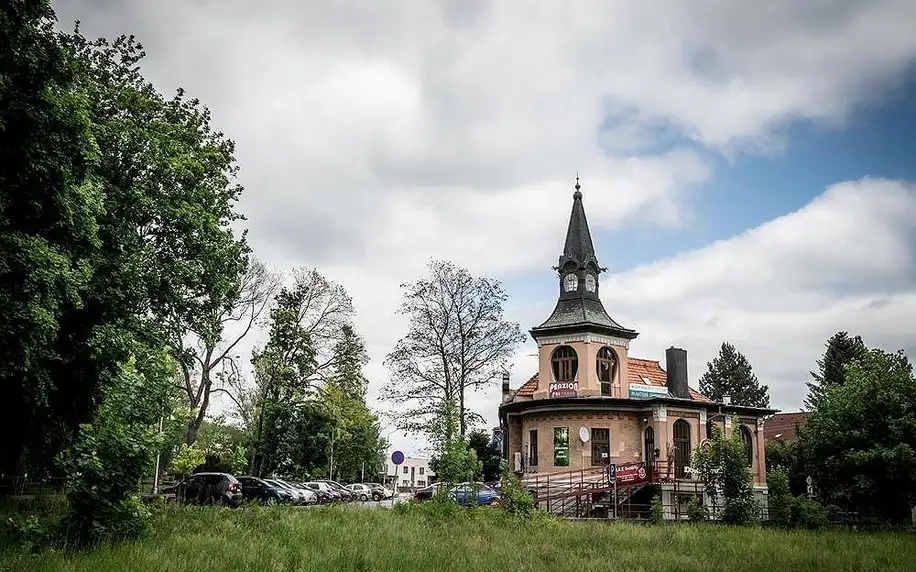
point(578, 248)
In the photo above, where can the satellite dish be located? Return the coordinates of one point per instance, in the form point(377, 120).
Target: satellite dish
point(583, 434)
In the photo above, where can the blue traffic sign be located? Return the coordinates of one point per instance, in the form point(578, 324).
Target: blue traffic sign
point(397, 457)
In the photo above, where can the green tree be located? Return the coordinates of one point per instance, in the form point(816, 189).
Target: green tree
point(788, 456)
point(722, 467)
point(730, 373)
point(831, 368)
point(861, 442)
point(487, 452)
point(458, 341)
point(779, 497)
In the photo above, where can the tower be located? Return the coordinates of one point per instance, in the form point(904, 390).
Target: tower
point(582, 351)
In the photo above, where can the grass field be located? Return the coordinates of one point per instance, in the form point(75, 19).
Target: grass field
point(280, 539)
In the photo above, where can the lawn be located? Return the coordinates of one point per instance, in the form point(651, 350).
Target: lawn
point(346, 538)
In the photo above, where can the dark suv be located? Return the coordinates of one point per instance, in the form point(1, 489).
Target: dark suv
point(255, 489)
point(210, 488)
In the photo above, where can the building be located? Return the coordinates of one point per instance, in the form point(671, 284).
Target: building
point(591, 404)
point(784, 426)
point(413, 473)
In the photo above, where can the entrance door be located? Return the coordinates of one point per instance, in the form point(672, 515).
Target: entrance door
point(650, 452)
point(681, 448)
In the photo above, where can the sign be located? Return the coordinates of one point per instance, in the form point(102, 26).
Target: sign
point(612, 473)
point(561, 446)
point(583, 434)
point(563, 389)
point(631, 474)
point(643, 391)
point(397, 457)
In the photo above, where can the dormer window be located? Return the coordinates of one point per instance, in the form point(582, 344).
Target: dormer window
point(590, 283)
point(570, 283)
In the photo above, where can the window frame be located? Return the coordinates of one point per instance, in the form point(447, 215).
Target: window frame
point(599, 444)
point(606, 356)
point(563, 363)
point(532, 447)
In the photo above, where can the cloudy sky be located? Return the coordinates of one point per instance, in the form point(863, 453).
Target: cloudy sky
point(747, 167)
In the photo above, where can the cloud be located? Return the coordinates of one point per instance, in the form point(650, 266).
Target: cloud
point(372, 136)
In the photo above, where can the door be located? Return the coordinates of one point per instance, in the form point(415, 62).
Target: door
point(649, 457)
point(681, 448)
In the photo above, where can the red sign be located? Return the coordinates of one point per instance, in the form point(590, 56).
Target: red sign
point(564, 389)
point(631, 474)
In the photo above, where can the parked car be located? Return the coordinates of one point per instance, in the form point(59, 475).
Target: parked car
point(255, 489)
point(473, 493)
point(210, 488)
point(308, 496)
point(380, 492)
point(324, 490)
point(296, 494)
point(362, 492)
point(345, 494)
point(428, 492)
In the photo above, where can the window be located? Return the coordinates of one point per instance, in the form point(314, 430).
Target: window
point(711, 429)
point(590, 283)
point(421, 470)
point(565, 364)
point(561, 446)
point(601, 446)
point(748, 444)
point(570, 282)
point(405, 470)
point(606, 363)
point(533, 448)
point(421, 483)
point(681, 448)
point(650, 445)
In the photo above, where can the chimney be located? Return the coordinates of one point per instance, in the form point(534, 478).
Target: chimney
point(505, 386)
point(676, 368)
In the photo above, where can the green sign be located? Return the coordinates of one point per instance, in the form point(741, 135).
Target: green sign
point(561, 446)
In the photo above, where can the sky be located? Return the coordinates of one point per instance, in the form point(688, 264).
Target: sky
point(746, 167)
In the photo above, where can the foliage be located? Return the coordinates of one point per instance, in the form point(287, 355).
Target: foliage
point(840, 351)
point(457, 341)
point(113, 453)
point(809, 514)
point(488, 453)
point(656, 510)
point(187, 459)
point(696, 512)
point(512, 497)
point(455, 461)
point(788, 456)
point(730, 373)
point(861, 442)
point(723, 469)
point(779, 497)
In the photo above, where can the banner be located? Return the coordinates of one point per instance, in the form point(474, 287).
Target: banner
point(564, 389)
point(631, 474)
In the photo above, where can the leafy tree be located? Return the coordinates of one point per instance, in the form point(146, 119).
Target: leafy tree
point(861, 442)
point(731, 374)
point(779, 497)
point(722, 467)
point(187, 458)
point(788, 457)
point(488, 453)
point(204, 345)
point(456, 462)
point(840, 351)
point(458, 341)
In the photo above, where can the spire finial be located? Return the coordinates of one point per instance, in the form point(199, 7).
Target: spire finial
point(578, 194)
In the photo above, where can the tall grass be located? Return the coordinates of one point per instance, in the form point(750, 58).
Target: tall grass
point(346, 538)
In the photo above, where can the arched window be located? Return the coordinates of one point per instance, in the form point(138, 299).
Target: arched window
point(565, 363)
point(748, 444)
point(681, 448)
point(607, 363)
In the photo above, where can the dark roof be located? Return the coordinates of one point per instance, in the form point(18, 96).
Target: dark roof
point(785, 425)
point(578, 248)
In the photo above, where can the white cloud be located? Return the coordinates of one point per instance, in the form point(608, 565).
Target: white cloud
point(372, 136)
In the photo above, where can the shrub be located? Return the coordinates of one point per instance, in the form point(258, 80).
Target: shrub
point(656, 510)
point(723, 468)
point(696, 512)
point(187, 459)
point(112, 453)
point(809, 514)
point(513, 499)
point(779, 497)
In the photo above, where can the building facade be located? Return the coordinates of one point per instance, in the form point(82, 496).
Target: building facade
point(591, 404)
point(413, 473)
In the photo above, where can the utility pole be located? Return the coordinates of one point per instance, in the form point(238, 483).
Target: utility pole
point(158, 454)
point(363, 478)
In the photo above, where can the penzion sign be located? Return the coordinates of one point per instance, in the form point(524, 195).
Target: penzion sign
point(564, 389)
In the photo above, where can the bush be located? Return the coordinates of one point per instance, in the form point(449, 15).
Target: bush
point(779, 497)
point(696, 512)
point(656, 510)
point(113, 453)
point(809, 514)
point(513, 499)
